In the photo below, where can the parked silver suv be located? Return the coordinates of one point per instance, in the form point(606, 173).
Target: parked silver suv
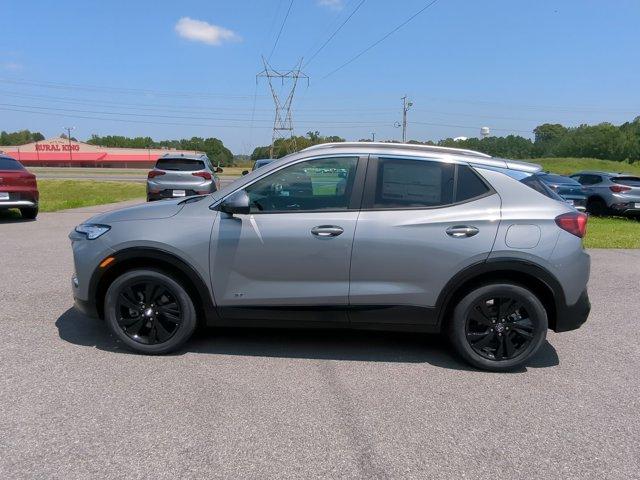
point(356, 235)
point(610, 193)
point(182, 176)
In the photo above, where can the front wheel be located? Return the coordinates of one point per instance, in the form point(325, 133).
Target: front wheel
point(149, 311)
point(499, 326)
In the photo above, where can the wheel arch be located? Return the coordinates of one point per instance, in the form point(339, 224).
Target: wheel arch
point(156, 259)
point(539, 280)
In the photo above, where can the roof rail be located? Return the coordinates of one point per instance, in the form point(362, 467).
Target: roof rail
point(403, 146)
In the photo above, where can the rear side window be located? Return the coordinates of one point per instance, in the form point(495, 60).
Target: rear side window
point(413, 183)
point(10, 164)
point(629, 181)
point(180, 164)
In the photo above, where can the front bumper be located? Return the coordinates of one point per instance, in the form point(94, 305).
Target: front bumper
point(571, 317)
point(85, 307)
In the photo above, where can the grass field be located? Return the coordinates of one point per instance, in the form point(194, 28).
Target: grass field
point(612, 232)
point(566, 166)
point(62, 194)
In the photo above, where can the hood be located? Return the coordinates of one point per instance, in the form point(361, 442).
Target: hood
point(147, 211)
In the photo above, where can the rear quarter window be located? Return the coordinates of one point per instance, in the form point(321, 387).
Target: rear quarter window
point(180, 164)
point(10, 164)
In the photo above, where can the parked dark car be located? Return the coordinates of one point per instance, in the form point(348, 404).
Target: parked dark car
point(259, 163)
point(567, 188)
point(18, 188)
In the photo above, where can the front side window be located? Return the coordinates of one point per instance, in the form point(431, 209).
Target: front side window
point(313, 185)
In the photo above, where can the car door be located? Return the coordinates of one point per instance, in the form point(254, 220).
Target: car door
point(292, 251)
point(422, 221)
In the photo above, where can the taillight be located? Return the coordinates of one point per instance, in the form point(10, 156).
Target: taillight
point(573, 222)
point(619, 188)
point(205, 175)
point(155, 173)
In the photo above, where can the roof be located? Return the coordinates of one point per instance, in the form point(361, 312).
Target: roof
point(410, 149)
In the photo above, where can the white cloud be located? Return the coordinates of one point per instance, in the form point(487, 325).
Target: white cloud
point(200, 31)
point(12, 66)
point(332, 4)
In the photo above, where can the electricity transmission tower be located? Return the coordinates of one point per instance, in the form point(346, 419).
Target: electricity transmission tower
point(283, 121)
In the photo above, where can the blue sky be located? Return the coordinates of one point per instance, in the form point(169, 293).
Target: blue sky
point(156, 68)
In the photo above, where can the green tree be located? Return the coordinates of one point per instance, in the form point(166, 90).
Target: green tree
point(20, 137)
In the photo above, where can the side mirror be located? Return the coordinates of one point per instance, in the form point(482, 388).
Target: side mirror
point(236, 203)
point(245, 172)
point(219, 170)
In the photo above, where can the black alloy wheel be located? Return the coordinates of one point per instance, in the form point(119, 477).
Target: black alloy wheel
point(499, 328)
point(148, 311)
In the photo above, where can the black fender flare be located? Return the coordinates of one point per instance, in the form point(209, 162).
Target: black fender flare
point(503, 267)
point(145, 257)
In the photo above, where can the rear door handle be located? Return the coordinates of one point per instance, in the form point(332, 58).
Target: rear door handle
point(462, 231)
point(327, 231)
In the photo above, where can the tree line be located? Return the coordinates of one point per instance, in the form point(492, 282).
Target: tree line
point(604, 140)
point(213, 147)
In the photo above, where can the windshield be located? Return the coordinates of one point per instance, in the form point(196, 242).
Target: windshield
point(629, 181)
point(180, 164)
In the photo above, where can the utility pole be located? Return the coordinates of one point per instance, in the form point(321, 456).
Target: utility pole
point(283, 121)
point(406, 105)
point(68, 129)
point(373, 136)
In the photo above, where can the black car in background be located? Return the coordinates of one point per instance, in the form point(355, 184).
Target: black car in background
point(568, 188)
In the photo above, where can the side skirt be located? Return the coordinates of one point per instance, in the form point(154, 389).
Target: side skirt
point(361, 317)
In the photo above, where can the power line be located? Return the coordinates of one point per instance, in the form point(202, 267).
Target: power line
point(275, 44)
point(334, 33)
point(126, 91)
point(376, 43)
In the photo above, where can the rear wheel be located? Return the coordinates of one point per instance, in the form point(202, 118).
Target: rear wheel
point(597, 207)
point(29, 213)
point(149, 311)
point(498, 326)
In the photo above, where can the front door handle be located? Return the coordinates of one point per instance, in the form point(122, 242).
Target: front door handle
point(462, 231)
point(327, 231)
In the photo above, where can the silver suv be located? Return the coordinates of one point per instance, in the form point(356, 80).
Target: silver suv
point(182, 176)
point(610, 193)
point(355, 235)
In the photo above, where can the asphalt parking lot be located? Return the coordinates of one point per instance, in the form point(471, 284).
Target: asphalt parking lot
point(306, 404)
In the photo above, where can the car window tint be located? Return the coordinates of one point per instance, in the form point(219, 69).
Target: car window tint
point(180, 164)
point(557, 179)
point(10, 164)
point(590, 179)
point(469, 185)
point(314, 185)
point(413, 183)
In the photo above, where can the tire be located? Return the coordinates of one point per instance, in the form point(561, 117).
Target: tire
point(597, 207)
point(29, 213)
point(149, 312)
point(481, 337)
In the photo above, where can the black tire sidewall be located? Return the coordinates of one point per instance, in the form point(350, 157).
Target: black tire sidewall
point(457, 327)
point(29, 213)
point(185, 330)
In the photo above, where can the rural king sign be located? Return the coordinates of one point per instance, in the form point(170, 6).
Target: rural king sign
point(57, 147)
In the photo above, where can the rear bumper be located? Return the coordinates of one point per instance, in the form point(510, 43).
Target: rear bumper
point(17, 204)
point(152, 195)
point(571, 317)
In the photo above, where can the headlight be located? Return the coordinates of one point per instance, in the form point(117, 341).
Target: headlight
point(92, 231)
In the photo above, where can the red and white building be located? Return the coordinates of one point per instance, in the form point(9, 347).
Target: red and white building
point(60, 152)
